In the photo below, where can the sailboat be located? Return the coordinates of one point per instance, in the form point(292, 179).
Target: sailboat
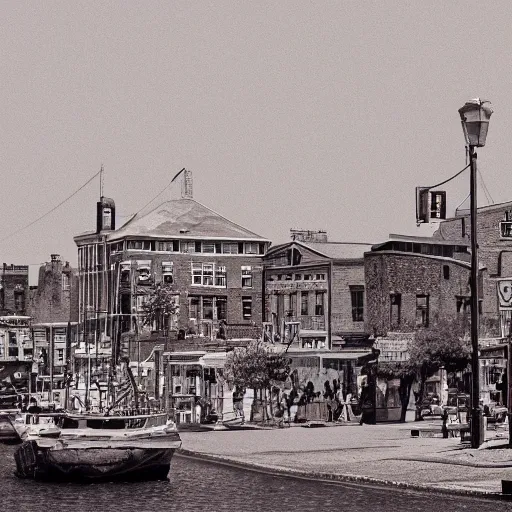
point(117, 444)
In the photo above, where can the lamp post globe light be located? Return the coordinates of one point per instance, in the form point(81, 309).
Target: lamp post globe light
point(475, 115)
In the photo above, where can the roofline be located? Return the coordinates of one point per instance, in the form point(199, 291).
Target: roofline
point(428, 256)
point(488, 207)
point(424, 239)
point(201, 204)
point(185, 237)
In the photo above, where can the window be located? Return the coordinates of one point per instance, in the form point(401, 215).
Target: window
point(395, 310)
point(293, 304)
point(125, 272)
point(172, 246)
point(19, 300)
point(307, 277)
point(65, 282)
point(319, 303)
point(140, 245)
point(319, 277)
point(107, 218)
point(117, 247)
point(144, 272)
point(193, 308)
point(246, 308)
point(304, 303)
point(13, 344)
point(251, 248)
point(288, 277)
point(298, 277)
point(506, 229)
point(463, 304)
point(187, 247)
point(230, 248)
point(246, 277)
point(446, 271)
point(206, 274)
point(422, 310)
point(220, 276)
point(167, 272)
point(208, 308)
point(60, 356)
point(293, 256)
point(208, 247)
point(357, 296)
point(197, 246)
point(221, 307)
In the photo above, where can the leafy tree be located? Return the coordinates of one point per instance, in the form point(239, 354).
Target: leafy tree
point(406, 372)
point(159, 307)
point(442, 345)
point(256, 367)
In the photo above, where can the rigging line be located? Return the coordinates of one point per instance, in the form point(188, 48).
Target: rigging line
point(460, 204)
point(159, 193)
point(50, 211)
point(485, 186)
point(449, 179)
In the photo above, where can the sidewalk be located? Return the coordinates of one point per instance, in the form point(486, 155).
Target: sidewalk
point(381, 454)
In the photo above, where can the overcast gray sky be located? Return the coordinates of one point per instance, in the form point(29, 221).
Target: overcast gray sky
point(290, 114)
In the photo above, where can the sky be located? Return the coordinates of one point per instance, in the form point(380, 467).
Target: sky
point(290, 114)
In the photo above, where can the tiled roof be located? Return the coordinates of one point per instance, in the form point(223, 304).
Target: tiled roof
point(183, 218)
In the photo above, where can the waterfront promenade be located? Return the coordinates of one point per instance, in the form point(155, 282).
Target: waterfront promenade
point(367, 453)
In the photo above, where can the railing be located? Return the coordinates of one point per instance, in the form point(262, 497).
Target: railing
point(316, 322)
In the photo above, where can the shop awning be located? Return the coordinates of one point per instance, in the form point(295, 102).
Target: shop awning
point(214, 360)
point(346, 355)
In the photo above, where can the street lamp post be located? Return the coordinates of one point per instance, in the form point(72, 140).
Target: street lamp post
point(475, 115)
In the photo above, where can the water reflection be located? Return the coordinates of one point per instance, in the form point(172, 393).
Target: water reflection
point(197, 486)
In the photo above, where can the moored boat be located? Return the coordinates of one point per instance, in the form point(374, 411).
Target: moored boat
point(88, 448)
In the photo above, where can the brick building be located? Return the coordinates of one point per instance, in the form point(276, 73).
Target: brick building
point(314, 291)
point(53, 308)
point(494, 231)
point(412, 281)
point(13, 289)
point(315, 308)
point(211, 265)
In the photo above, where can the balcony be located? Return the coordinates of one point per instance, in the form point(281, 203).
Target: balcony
point(309, 323)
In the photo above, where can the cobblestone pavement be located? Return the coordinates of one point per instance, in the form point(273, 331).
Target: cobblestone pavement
point(382, 452)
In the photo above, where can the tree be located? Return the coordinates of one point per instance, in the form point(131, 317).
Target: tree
point(406, 372)
point(159, 307)
point(256, 367)
point(442, 345)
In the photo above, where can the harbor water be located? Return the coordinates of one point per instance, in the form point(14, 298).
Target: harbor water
point(199, 486)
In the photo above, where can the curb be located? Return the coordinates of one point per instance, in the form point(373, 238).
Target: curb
point(338, 478)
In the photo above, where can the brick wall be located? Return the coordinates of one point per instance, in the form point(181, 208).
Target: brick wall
point(411, 275)
point(345, 275)
point(54, 300)
point(182, 275)
point(495, 252)
point(13, 278)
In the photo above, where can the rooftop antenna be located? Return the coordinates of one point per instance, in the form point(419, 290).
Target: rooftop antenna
point(101, 181)
point(177, 175)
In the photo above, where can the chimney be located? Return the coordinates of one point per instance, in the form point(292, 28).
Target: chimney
point(306, 235)
point(186, 189)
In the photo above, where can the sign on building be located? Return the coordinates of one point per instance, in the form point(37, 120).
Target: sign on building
point(504, 291)
point(393, 348)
